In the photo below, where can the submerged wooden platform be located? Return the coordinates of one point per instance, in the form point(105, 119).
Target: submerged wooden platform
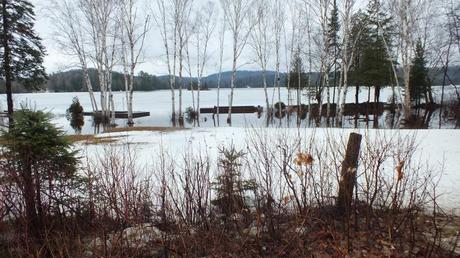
point(119, 114)
point(235, 110)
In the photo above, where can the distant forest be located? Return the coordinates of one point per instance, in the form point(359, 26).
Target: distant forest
point(72, 80)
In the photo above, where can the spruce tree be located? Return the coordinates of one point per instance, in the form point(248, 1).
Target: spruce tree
point(375, 66)
point(420, 85)
point(21, 49)
point(333, 40)
point(40, 161)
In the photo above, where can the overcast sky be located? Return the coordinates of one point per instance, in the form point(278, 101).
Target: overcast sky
point(153, 55)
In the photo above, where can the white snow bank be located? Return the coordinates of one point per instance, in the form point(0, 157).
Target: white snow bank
point(438, 148)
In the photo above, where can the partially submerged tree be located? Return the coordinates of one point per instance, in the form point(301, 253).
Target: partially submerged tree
point(132, 37)
point(297, 73)
point(407, 14)
point(278, 26)
point(237, 17)
point(182, 12)
point(421, 87)
point(172, 18)
point(334, 45)
point(161, 17)
point(351, 33)
point(221, 59)
point(205, 29)
point(21, 49)
point(375, 68)
point(103, 32)
point(71, 37)
point(260, 41)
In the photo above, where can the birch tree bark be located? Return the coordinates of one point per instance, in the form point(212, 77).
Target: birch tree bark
point(161, 16)
point(221, 57)
point(346, 56)
point(183, 10)
point(133, 38)
point(407, 13)
point(278, 27)
point(70, 35)
point(260, 43)
point(100, 17)
point(236, 14)
point(206, 26)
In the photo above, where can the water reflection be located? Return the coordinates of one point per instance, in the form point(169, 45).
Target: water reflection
point(363, 115)
point(77, 122)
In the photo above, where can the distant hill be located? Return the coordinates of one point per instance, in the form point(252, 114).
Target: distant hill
point(244, 79)
point(72, 80)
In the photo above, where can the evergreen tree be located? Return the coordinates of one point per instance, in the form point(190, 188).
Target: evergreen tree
point(360, 36)
point(39, 160)
point(333, 41)
point(296, 70)
point(230, 185)
point(420, 84)
point(374, 66)
point(21, 49)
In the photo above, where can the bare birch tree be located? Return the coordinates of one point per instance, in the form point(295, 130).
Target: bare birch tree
point(162, 16)
point(278, 26)
point(236, 14)
point(100, 17)
point(70, 35)
point(260, 42)
point(291, 39)
point(221, 57)
point(346, 55)
point(407, 14)
point(182, 12)
point(205, 28)
point(132, 38)
point(323, 11)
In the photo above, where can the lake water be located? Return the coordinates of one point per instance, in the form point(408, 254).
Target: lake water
point(158, 103)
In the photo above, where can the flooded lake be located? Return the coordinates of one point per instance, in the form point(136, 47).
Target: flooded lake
point(158, 103)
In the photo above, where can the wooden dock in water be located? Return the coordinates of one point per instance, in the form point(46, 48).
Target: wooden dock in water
point(119, 114)
point(235, 110)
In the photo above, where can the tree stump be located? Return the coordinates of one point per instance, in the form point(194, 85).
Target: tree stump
point(348, 173)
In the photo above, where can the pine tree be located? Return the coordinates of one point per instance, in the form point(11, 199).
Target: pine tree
point(420, 85)
point(21, 49)
point(374, 65)
point(333, 40)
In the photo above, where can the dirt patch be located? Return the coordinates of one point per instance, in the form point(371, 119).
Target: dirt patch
point(144, 128)
point(90, 139)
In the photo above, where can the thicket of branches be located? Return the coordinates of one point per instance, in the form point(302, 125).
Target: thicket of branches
point(275, 195)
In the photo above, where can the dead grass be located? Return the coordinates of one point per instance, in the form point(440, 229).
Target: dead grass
point(90, 139)
point(144, 128)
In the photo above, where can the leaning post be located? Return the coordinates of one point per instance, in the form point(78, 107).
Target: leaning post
point(348, 173)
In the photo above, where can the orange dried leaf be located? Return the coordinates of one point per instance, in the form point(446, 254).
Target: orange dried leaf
point(399, 170)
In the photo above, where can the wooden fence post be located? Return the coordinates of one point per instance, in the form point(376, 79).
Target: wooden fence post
point(348, 173)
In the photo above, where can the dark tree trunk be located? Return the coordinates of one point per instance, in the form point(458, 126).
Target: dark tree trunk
point(357, 94)
point(7, 62)
point(430, 96)
point(348, 173)
point(377, 94)
point(30, 202)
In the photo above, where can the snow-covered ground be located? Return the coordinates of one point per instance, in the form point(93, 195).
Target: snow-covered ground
point(440, 149)
point(158, 103)
point(436, 147)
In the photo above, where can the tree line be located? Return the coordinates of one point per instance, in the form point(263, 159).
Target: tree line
point(348, 43)
point(72, 81)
